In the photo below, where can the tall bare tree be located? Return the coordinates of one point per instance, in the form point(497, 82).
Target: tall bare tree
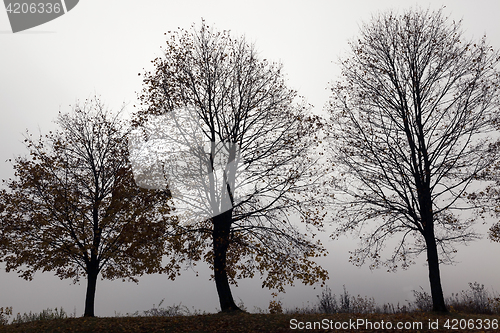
point(411, 127)
point(75, 209)
point(237, 149)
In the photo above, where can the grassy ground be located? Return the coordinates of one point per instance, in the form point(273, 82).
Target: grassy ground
point(244, 322)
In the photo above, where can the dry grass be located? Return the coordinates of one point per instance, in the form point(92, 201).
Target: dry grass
point(245, 322)
point(471, 310)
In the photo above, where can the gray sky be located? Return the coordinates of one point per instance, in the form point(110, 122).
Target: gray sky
point(101, 46)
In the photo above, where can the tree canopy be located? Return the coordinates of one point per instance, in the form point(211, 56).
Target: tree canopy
point(74, 208)
point(237, 154)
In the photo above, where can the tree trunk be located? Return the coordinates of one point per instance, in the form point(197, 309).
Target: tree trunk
point(427, 216)
point(222, 225)
point(438, 303)
point(91, 287)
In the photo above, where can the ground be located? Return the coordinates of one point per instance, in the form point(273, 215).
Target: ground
point(244, 322)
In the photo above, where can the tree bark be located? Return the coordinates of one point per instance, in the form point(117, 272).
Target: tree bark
point(92, 274)
point(427, 216)
point(222, 225)
point(438, 303)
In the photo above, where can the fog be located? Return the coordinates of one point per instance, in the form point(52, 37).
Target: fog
point(101, 46)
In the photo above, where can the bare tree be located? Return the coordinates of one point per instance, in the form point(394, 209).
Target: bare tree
point(237, 151)
point(411, 127)
point(75, 209)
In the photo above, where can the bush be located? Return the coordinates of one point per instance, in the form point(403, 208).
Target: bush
point(275, 307)
point(345, 302)
point(363, 305)
point(423, 301)
point(327, 302)
point(5, 313)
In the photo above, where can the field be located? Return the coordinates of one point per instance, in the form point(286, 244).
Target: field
point(473, 310)
point(244, 322)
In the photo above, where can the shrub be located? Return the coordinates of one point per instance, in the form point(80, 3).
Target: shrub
point(423, 301)
point(275, 307)
point(5, 313)
point(363, 305)
point(345, 302)
point(327, 302)
point(475, 300)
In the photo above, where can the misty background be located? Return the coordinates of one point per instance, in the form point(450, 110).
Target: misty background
point(100, 47)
